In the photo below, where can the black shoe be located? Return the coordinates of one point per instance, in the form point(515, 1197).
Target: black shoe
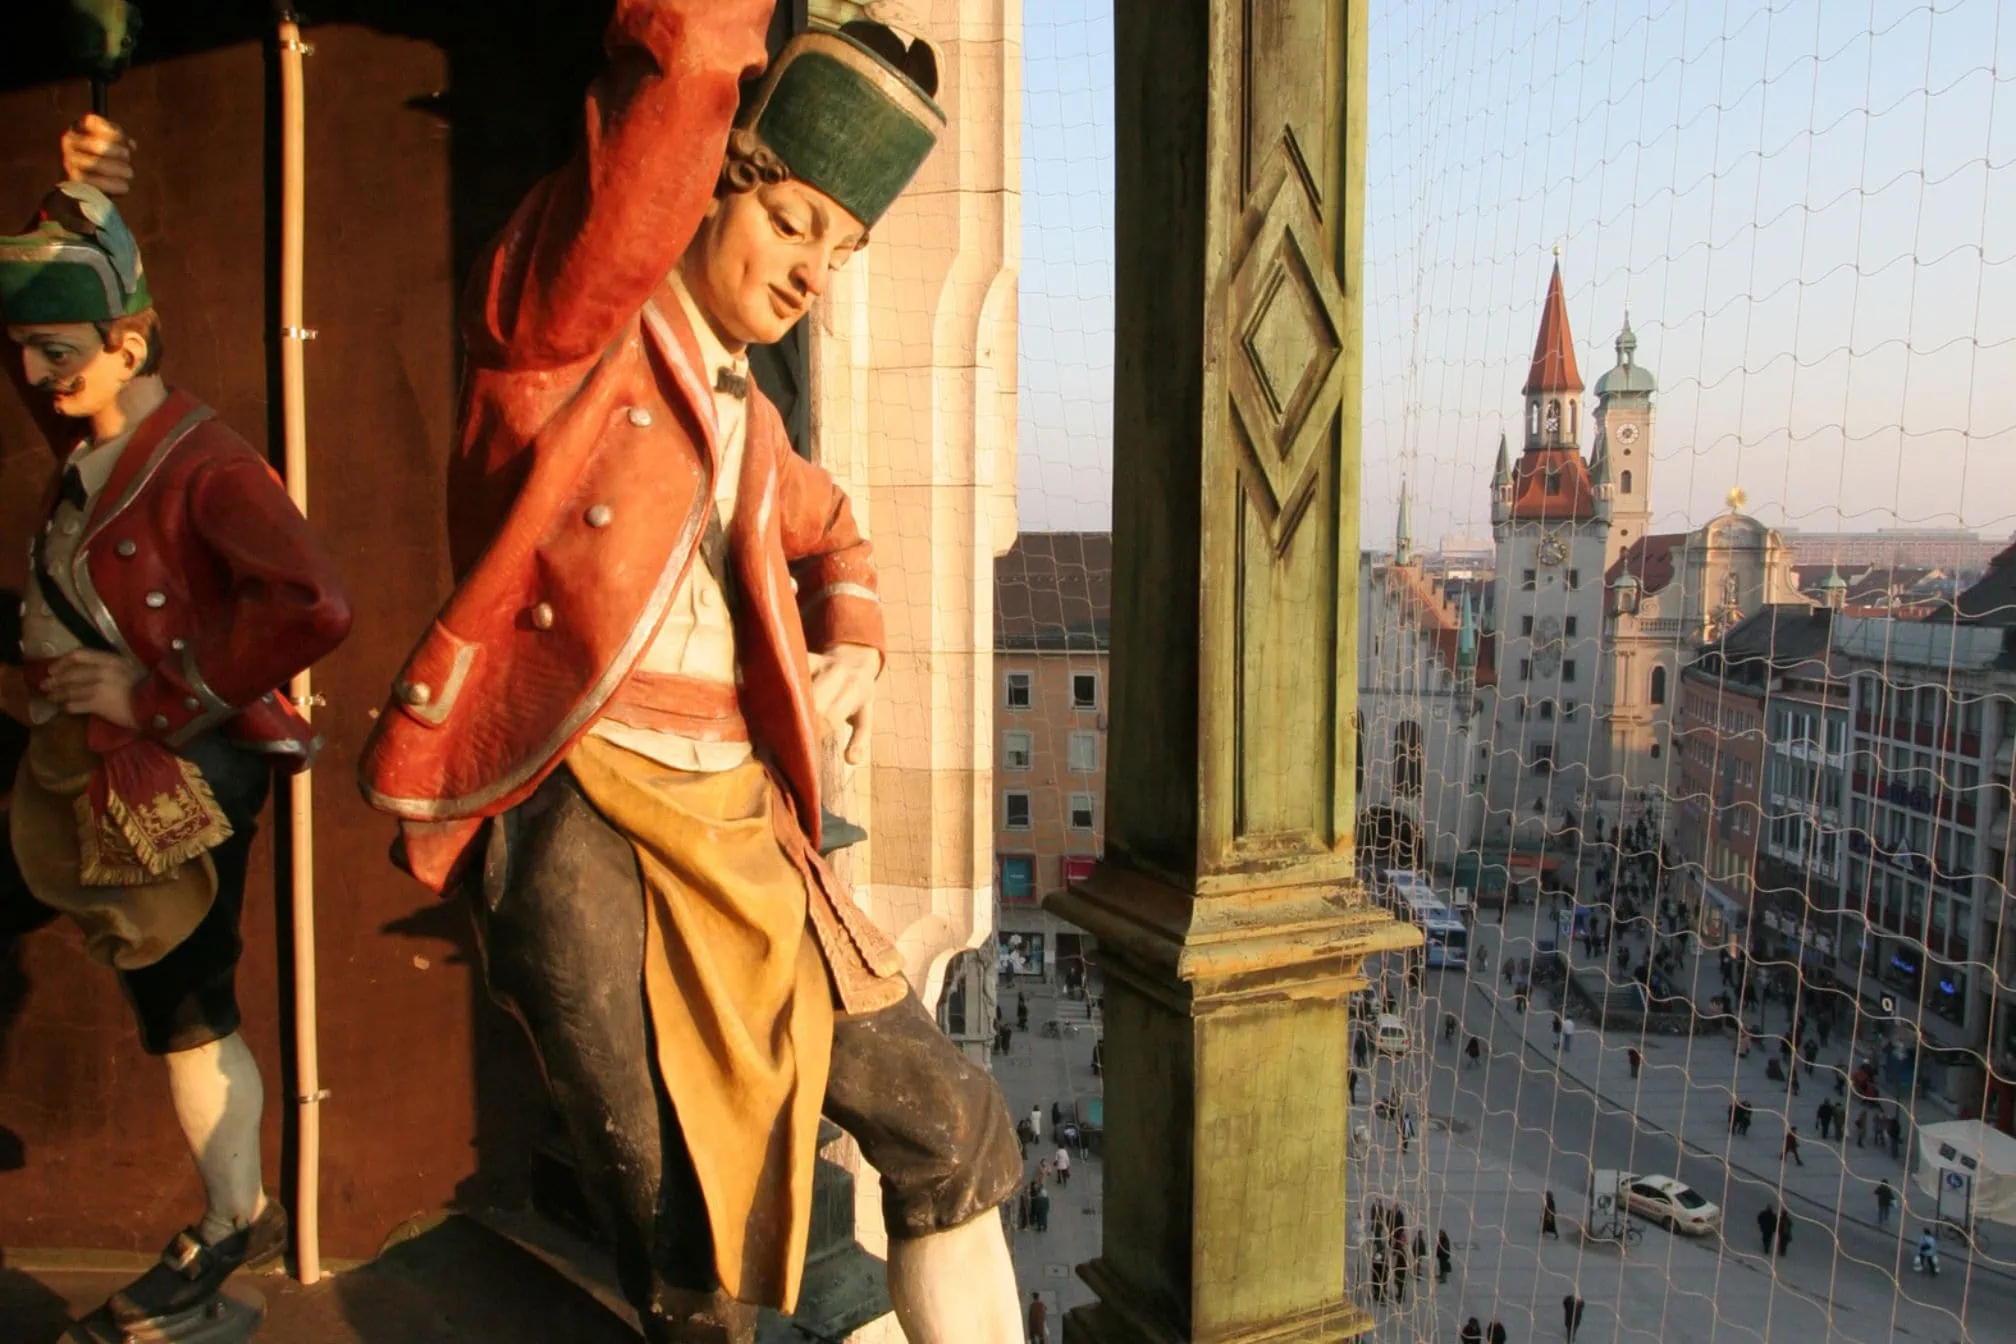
point(190, 1273)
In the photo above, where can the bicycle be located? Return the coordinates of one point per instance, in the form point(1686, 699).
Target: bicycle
point(1975, 1239)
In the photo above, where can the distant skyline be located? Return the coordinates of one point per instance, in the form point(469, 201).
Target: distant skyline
point(1806, 212)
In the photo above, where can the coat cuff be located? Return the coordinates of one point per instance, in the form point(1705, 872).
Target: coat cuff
point(842, 613)
point(174, 705)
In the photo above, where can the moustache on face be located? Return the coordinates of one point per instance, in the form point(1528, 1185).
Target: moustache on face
point(61, 387)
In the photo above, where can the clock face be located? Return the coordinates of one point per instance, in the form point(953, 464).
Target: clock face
point(1552, 550)
point(1547, 630)
point(1546, 660)
point(1627, 433)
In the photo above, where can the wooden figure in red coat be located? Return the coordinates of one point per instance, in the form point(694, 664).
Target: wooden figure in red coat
point(609, 735)
point(173, 590)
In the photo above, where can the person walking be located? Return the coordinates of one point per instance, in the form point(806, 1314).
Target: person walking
point(1035, 1124)
point(1554, 1029)
point(1886, 1200)
point(1548, 1226)
point(1635, 1059)
point(1896, 1138)
point(1567, 1034)
point(1039, 1320)
point(1021, 1011)
point(1399, 1273)
point(1767, 1227)
point(1496, 1334)
point(1379, 1273)
point(1039, 1208)
point(1571, 1315)
point(1824, 1116)
point(1062, 1163)
point(1473, 1053)
point(1791, 1149)
point(1442, 1260)
point(1861, 1125)
point(1471, 1333)
point(1784, 1230)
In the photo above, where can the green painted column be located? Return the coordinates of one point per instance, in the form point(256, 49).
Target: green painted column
point(1230, 927)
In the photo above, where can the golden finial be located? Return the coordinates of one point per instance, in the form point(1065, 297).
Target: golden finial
point(1557, 251)
point(1737, 499)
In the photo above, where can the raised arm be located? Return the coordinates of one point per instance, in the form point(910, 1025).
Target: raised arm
point(589, 243)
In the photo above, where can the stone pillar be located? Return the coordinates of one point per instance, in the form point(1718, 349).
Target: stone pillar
point(1229, 923)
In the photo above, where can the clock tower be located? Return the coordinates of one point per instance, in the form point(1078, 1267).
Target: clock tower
point(1551, 525)
point(1624, 444)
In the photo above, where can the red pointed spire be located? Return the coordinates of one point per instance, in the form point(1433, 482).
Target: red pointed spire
point(1554, 350)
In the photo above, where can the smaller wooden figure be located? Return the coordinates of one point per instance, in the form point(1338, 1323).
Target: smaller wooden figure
point(173, 589)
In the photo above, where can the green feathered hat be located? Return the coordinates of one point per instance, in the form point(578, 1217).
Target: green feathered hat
point(850, 111)
point(76, 263)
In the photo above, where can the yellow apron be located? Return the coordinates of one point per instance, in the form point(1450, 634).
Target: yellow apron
point(739, 999)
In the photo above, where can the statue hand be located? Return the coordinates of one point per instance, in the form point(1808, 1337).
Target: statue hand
point(86, 682)
point(843, 691)
point(99, 154)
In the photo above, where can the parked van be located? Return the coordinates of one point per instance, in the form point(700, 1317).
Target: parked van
point(1391, 1035)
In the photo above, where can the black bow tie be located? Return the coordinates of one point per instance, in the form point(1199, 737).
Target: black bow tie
point(733, 383)
point(71, 491)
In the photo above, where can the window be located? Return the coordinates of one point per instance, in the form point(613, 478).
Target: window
point(1084, 752)
point(1526, 625)
point(1567, 669)
point(1658, 685)
point(1408, 758)
point(1525, 669)
point(1528, 580)
point(1574, 578)
point(1018, 809)
point(1019, 693)
point(1543, 758)
point(1084, 690)
point(1081, 811)
point(1546, 709)
point(1553, 480)
point(1018, 877)
point(1078, 867)
point(1568, 627)
point(1015, 751)
point(1624, 483)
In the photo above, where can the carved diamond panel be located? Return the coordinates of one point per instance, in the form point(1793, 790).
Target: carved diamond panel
point(1286, 379)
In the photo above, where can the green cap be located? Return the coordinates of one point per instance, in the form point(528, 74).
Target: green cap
point(845, 120)
point(76, 263)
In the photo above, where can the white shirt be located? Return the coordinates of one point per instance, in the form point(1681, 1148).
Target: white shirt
point(1063, 1159)
point(42, 635)
point(697, 638)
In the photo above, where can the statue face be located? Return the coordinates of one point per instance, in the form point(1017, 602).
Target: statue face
point(762, 256)
point(68, 362)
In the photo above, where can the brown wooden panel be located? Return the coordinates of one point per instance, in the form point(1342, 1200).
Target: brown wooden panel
point(433, 1096)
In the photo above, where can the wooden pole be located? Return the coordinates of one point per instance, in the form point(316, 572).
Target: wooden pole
point(300, 787)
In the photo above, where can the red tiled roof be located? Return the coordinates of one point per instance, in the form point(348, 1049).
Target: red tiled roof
point(1054, 590)
point(1574, 499)
point(1554, 349)
point(1649, 560)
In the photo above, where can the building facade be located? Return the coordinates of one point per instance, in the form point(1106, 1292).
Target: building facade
point(1052, 599)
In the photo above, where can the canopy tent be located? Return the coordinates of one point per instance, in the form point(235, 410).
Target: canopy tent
point(1970, 1169)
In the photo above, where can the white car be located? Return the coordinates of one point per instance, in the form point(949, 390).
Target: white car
point(1391, 1036)
point(1672, 1204)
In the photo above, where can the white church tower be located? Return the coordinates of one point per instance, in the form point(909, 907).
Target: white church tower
point(1551, 524)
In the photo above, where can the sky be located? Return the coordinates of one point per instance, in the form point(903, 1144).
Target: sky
point(1808, 208)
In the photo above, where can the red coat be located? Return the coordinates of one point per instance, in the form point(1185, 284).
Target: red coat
point(584, 470)
point(197, 565)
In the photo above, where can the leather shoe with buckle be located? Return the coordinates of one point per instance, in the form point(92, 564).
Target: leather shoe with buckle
point(190, 1272)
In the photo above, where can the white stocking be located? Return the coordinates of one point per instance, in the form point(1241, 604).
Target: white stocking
point(218, 1098)
point(956, 1286)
